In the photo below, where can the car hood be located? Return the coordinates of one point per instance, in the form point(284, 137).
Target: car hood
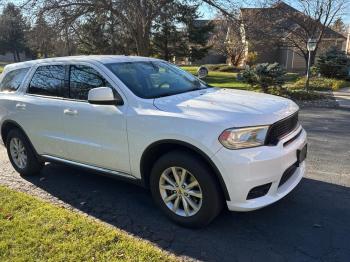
point(235, 108)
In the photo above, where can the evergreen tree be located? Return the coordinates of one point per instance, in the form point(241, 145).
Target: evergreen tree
point(168, 37)
point(198, 35)
point(12, 31)
point(103, 34)
point(42, 38)
point(178, 33)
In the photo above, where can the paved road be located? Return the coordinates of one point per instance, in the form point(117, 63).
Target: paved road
point(343, 100)
point(310, 224)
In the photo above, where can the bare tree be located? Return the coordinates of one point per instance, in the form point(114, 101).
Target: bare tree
point(313, 21)
point(136, 16)
point(339, 26)
point(227, 41)
point(283, 25)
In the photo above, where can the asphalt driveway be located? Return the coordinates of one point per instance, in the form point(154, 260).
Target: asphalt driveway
point(310, 224)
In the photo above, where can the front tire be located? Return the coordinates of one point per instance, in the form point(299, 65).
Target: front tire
point(185, 190)
point(21, 154)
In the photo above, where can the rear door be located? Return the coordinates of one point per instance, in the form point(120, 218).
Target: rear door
point(39, 110)
point(9, 95)
point(95, 134)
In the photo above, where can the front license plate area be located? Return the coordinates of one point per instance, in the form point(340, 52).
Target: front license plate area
point(301, 155)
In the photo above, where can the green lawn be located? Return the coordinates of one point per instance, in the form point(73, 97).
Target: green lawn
point(2, 65)
point(33, 230)
point(220, 79)
point(294, 86)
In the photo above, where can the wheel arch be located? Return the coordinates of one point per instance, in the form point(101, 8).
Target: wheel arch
point(7, 126)
point(156, 149)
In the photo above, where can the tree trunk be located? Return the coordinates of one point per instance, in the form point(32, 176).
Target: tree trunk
point(14, 56)
point(112, 32)
point(234, 60)
point(166, 50)
point(143, 46)
point(306, 58)
point(18, 56)
point(142, 38)
point(312, 60)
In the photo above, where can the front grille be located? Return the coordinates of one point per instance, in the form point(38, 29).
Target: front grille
point(288, 174)
point(281, 129)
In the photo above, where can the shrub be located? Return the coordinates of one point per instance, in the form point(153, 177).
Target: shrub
point(303, 95)
point(249, 76)
point(265, 75)
point(251, 58)
point(334, 63)
point(320, 84)
point(314, 71)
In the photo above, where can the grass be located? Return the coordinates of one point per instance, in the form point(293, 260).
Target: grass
point(2, 65)
point(33, 230)
point(294, 86)
point(220, 79)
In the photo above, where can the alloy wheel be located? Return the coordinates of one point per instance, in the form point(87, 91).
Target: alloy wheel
point(180, 191)
point(18, 153)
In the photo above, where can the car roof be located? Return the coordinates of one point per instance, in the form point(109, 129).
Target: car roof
point(104, 59)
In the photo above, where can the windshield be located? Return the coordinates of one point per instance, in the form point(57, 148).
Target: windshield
point(152, 79)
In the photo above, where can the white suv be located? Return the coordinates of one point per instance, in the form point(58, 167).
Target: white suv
point(146, 120)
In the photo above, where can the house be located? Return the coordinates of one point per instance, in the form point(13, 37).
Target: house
point(272, 33)
point(268, 33)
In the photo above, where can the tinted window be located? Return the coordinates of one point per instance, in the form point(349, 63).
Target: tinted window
point(152, 79)
point(48, 81)
point(82, 79)
point(13, 80)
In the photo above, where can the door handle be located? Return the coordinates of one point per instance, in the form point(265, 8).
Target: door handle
point(70, 112)
point(21, 106)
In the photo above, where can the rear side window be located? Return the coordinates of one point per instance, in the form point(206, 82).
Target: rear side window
point(48, 81)
point(82, 80)
point(13, 80)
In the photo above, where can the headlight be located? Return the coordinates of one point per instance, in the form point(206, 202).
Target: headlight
point(236, 138)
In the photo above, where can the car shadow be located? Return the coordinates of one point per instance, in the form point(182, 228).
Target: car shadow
point(312, 223)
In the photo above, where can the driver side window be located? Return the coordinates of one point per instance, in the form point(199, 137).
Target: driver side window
point(82, 80)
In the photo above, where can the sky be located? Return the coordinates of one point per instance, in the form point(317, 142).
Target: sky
point(209, 13)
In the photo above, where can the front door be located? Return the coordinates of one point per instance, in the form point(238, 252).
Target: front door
point(96, 135)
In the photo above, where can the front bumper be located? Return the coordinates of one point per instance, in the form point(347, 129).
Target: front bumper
point(245, 169)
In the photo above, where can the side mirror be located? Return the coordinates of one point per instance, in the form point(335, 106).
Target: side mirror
point(104, 96)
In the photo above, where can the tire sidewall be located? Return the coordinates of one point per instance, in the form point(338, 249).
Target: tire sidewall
point(32, 165)
point(211, 201)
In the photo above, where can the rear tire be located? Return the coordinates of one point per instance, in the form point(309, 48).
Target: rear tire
point(199, 189)
point(21, 154)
